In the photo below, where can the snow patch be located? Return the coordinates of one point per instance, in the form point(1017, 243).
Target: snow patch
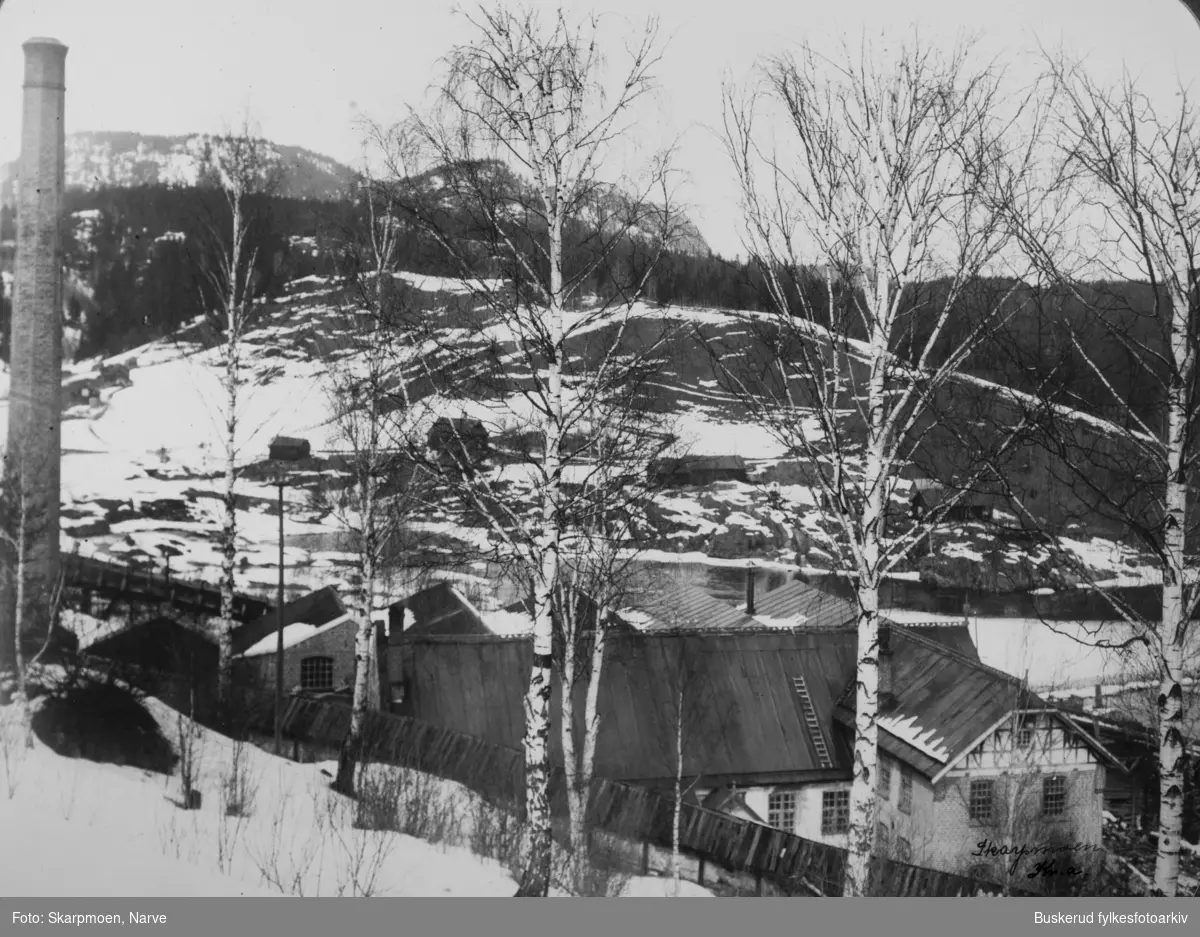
point(924, 740)
point(295, 633)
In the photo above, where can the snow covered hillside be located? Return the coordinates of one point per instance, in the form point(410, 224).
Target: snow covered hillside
point(81, 828)
point(142, 459)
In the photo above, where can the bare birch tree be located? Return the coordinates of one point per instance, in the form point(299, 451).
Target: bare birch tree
point(367, 382)
point(240, 168)
point(1136, 175)
point(871, 209)
point(599, 575)
point(513, 195)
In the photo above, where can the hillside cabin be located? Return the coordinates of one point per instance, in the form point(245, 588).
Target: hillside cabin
point(929, 496)
point(459, 444)
point(289, 449)
point(689, 471)
point(768, 717)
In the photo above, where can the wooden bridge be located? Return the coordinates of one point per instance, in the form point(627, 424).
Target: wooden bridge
point(88, 578)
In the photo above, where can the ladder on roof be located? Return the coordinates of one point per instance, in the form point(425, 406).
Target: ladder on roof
point(810, 720)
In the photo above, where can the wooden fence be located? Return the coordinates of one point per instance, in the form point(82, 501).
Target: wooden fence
point(793, 864)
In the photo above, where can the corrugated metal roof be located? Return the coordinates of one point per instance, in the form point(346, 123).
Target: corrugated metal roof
point(688, 608)
point(946, 699)
point(741, 714)
point(954, 635)
point(743, 718)
point(809, 606)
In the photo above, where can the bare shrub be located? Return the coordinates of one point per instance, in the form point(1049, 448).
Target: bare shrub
point(238, 791)
point(174, 839)
point(360, 853)
point(286, 859)
point(496, 833)
point(405, 801)
point(190, 749)
point(12, 747)
point(239, 788)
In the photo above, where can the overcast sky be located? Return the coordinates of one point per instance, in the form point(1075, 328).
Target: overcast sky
point(306, 70)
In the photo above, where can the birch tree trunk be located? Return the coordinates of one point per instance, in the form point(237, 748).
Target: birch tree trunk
point(530, 94)
point(229, 524)
point(677, 809)
point(1174, 606)
point(536, 880)
point(1142, 170)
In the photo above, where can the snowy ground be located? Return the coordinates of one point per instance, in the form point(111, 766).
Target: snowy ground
point(78, 828)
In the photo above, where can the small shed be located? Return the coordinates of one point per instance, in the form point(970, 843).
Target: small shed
point(459, 443)
point(688, 471)
point(289, 449)
point(930, 495)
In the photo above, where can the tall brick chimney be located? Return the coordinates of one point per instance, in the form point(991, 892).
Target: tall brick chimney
point(34, 449)
point(751, 571)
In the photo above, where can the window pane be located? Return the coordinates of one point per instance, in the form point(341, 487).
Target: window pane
point(906, 790)
point(981, 801)
point(316, 673)
point(835, 812)
point(781, 810)
point(1054, 796)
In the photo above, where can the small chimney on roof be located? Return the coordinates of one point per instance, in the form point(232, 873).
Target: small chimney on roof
point(887, 698)
point(751, 571)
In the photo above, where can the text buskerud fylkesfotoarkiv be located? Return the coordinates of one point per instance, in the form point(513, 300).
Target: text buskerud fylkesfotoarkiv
point(1104, 918)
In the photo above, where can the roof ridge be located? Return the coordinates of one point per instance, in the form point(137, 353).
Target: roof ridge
point(947, 651)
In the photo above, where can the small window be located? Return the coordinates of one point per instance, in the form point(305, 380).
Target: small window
point(903, 849)
point(1024, 736)
point(835, 812)
point(885, 778)
point(1054, 796)
point(316, 673)
point(906, 790)
point(781, 810)
point(981, 801)
point(881, 838)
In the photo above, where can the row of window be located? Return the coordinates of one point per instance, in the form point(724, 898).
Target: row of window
point(835, 818)
point(835, 811)
point(982, 798)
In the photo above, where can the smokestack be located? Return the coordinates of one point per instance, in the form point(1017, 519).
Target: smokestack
point(750, 573)
point(887, 698)
point(1098, 702)
point(34, 447)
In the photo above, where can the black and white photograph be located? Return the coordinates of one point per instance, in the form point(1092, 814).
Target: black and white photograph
point(528, 448)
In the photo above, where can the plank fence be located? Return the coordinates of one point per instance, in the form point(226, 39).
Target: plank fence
point(791, 863)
